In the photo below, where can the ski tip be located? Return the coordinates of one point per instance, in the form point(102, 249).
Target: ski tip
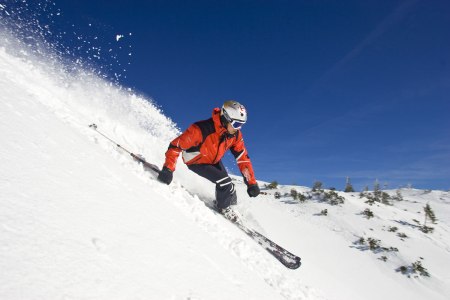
point(93, 126)
point(298, 263)
point(293, 265)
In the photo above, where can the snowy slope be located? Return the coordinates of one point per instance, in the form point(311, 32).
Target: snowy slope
point(80, 220)
point(342, 269)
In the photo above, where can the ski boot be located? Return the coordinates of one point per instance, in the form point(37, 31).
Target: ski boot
point(229, 214)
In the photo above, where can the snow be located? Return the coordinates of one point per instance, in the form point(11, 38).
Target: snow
point(79, 219)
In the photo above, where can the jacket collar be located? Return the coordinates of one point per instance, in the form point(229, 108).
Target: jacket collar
point(216, 118)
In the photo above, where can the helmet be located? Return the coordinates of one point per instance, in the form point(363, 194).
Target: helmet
point(234, 113)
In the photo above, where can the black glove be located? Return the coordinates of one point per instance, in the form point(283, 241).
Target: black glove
point(165, 176)
point(253, 190)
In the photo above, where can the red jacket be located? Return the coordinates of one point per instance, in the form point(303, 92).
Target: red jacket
point(206, 142)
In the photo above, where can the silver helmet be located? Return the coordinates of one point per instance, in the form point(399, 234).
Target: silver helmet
point(234, 113)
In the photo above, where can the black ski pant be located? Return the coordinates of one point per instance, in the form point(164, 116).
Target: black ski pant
point(225, 192)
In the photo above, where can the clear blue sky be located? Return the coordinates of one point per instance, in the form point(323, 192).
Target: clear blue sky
point(332, 88)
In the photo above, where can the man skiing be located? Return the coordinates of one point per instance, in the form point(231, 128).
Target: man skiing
point(203, 145)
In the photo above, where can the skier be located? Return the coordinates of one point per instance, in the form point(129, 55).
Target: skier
point(203, 145)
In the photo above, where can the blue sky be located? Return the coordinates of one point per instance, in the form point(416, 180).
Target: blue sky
point(332, 88)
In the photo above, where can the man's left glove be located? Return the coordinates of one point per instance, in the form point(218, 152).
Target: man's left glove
point(165, 176)
point(253, 190)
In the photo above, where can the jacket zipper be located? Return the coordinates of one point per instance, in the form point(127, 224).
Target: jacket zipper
point(223, 137)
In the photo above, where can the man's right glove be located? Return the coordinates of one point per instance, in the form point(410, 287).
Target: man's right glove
point(253, 190)
point(165, 176)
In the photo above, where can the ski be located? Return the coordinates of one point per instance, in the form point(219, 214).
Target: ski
point(285, 257)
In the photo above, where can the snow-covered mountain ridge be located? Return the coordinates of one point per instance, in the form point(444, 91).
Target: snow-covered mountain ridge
point(79, 219)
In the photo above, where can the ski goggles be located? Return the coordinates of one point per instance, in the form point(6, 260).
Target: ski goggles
point(236, 124)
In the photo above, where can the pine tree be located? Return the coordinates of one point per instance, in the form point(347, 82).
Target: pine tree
point(368, 213)
point(348, 186)
point(385, 198)
point(377, 190)
point(429, 213)
point(301, 197)
point(317, 186)
point(272, 185)
point(399, 196)
point(294, 194)
point(417, 267)
point(374, 244)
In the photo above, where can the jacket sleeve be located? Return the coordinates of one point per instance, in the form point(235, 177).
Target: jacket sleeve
point(243, 160)
point(190, 138)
